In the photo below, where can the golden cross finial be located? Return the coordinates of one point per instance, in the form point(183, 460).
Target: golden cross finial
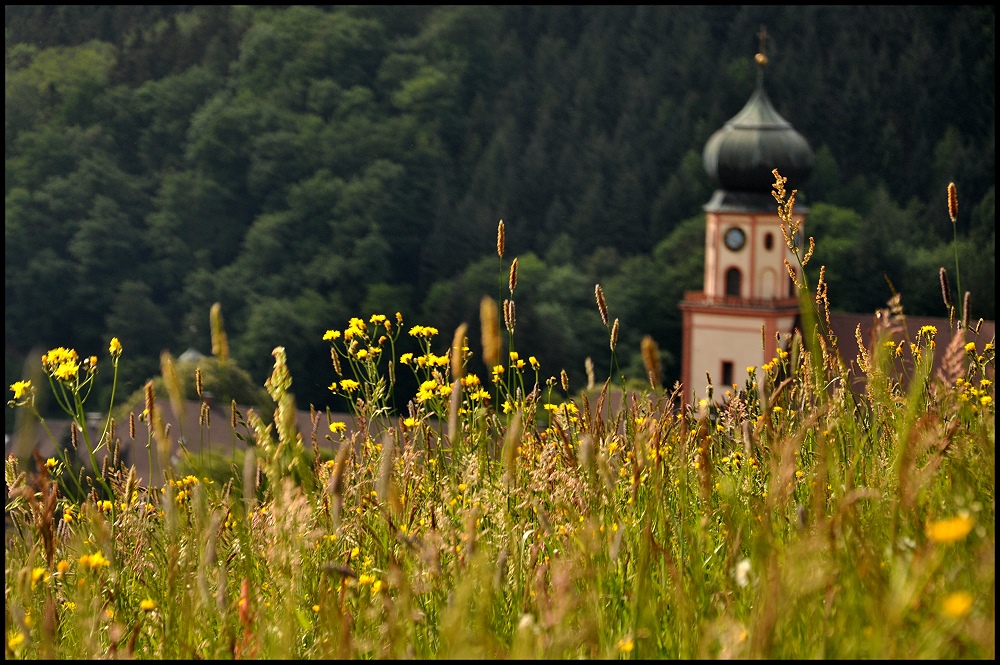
point(761, 56)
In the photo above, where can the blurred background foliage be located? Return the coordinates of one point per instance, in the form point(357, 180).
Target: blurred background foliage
point(302, 165)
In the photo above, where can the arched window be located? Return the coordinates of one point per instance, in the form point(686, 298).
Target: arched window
point(734, 282)
point(768, 241)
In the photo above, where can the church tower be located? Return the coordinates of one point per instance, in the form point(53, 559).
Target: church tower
point(748, 296)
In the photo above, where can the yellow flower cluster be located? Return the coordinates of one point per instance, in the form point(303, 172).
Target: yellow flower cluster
point(423, 331)
point(427, 360)
point(970, 393)
point(347, 386)
point(184, 485)
point(63, 364)
point(95, 560)
point(773, 364)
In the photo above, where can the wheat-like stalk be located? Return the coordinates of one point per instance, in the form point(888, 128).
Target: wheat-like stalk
point(602, 305)
point(945, 287)
point(508, 315)
point(651, 360)
point(457, 353)
point(489, 322)
point(220, 342)
point(953, 215)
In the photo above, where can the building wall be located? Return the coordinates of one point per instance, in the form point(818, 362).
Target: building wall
point(711, 338)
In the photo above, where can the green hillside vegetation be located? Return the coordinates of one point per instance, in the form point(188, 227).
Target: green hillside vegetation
point(304, 165)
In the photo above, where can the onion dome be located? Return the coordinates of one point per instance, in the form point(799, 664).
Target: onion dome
point(740, 157)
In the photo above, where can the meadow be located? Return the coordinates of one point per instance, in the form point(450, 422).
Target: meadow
point(502, 516)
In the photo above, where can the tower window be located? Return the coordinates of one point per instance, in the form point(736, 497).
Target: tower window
point(734, 282)
point(769, 241)
point(727, 373)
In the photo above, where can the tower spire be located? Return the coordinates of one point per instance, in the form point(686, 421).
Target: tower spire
point(761, 57)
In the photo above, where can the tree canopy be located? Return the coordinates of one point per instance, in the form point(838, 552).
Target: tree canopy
point(305, 164)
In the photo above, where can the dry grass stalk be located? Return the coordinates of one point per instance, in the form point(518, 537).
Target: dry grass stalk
point(953, 362)
point(651, 361)
point(509, 317)
point(953, 202)
point(220, 342)
point(458, 344)
point(945, 287)
point(602, 305)
point(489, 322)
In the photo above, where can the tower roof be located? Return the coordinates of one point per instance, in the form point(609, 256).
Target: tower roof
point(740, 157)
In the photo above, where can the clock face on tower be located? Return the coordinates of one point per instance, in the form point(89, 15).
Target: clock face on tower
point(735, 238)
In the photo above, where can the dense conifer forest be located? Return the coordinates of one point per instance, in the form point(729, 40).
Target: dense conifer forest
point(302, 165)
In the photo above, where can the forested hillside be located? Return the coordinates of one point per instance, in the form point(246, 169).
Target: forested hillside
point(303, 165)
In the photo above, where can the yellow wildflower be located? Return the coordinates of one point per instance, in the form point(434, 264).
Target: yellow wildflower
point(96, 560)
point(115, 348)
point(957, 604)
point(147, 605)
point(67, 371)
point(20, 388)
point(950, 530)
point(38, 574)
point(338, 427)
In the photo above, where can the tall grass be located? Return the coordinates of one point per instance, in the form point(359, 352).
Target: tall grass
point(501, 516)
